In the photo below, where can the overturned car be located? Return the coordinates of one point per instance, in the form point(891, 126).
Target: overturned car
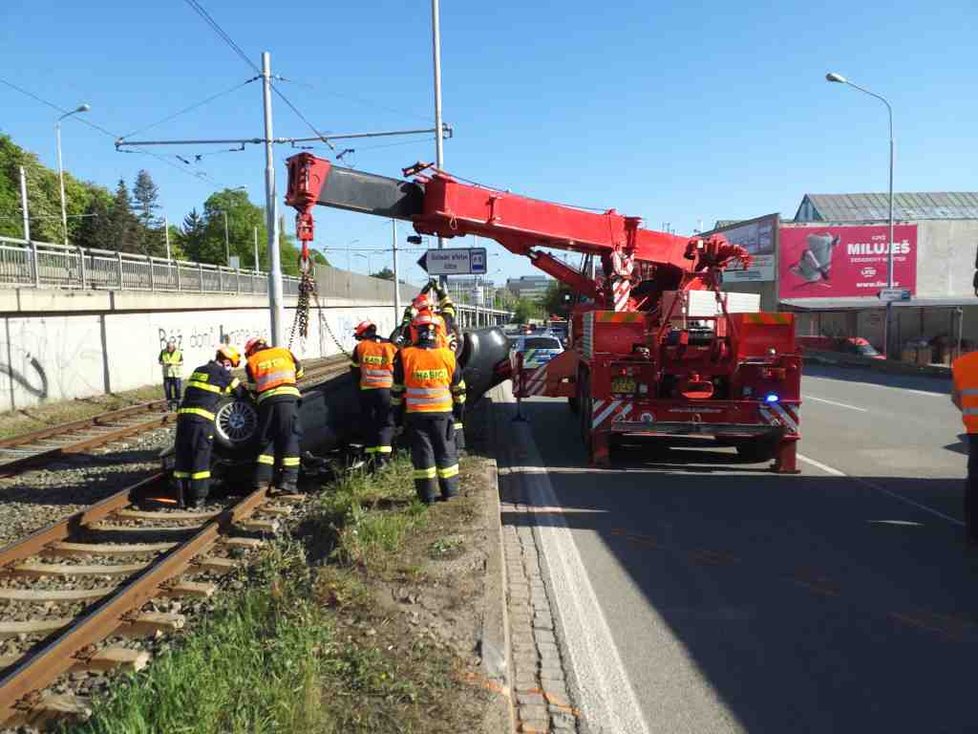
point(329, 413)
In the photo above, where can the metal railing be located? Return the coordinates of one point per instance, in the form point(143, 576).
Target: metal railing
point(61, 266)
point(45, 264)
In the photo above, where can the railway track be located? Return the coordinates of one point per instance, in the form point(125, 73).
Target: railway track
point(74, 594)
point(37, 448)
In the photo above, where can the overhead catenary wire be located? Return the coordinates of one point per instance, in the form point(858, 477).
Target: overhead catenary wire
point(226, 37)
point(192, 107)
point(104, 131)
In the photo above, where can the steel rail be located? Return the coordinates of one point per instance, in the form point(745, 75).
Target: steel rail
point(100, 621)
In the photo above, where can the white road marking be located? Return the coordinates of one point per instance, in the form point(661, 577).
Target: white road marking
point(873, 485)
point(832, 402)
point(928, 393)
point(608, 701)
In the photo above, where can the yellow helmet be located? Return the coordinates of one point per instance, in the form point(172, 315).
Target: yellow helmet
point(229, 353)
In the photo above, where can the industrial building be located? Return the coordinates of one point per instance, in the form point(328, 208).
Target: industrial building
point(829, 263)
point(529, 286)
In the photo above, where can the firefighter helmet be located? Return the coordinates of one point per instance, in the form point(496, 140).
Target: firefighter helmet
point(423, 302)
point(422, 326)
point(254, 344)
point(365, 329)
point(227, 353)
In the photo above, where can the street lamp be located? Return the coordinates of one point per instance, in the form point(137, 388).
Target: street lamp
point(367, 258)
point(888, 323)
point(83, 107)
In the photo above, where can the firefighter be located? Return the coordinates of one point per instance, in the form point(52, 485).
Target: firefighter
point(273, 373)
point(446, 310)
point(171, 360)
point(373, 368)
point(964, 394)
point(195, 424)
point(427, 383)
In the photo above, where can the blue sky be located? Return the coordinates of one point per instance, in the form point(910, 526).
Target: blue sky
point(676, 112)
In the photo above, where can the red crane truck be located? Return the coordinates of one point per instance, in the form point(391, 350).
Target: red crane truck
point(654, 349)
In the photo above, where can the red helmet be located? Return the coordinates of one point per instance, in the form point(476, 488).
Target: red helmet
point(363, 328)
point(254, 344)
point(422, 302)
point(423, 323)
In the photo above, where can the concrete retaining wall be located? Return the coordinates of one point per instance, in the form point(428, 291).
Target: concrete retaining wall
point(60, 345)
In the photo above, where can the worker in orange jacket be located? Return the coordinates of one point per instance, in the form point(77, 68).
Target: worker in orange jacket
point(273, 373)
point(372, 364)
point(427, 384)
point(964, 394)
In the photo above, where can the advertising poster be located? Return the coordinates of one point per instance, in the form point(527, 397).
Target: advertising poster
point(844, 261)
point(759, 238)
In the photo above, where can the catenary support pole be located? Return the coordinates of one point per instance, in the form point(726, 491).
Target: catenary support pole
point(166, 233)
point(26, 213)
point(397, 283)
point(275, 297)
point(439, 142)
point(256, 249)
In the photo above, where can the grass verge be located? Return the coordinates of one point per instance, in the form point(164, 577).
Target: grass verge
point(307, 647)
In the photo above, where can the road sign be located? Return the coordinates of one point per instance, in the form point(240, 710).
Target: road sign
point(455, 261)
point(894, 294)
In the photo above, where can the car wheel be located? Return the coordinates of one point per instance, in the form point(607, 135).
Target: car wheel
point(236, 424)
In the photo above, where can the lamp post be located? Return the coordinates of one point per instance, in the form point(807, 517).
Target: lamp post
point(888, 323)
point(84, 107)
point(367, 258)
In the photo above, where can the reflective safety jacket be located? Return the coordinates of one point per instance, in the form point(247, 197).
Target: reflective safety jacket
point(373, 364)
point(205, 388)
point(427, 380)
point(172, 363)
point(964, 371)
point(273, 372)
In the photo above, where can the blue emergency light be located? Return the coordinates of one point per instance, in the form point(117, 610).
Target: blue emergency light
point(771, 398)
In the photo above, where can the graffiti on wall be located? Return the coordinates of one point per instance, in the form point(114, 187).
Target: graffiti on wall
point(30, 376)
point(204, 337)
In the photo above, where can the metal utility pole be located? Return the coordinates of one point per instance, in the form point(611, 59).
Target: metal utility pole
point(227, 241)
point(61, 171)
point(275, 297)
point(256, 249)
point(439, 147)
point(166, 232)
point(23, 205)
point(397, 284)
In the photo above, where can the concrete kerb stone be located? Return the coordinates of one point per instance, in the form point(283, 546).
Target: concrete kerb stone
point(541, 684)
point(495, 641)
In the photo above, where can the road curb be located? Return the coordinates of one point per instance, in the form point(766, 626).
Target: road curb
point(494, 641)
point(886, 366)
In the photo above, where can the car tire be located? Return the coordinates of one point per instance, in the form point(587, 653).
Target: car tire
point(235, 425)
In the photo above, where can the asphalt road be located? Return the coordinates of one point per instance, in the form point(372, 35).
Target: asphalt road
point(732, 599)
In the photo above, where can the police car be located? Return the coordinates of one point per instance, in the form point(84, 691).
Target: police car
point(537, 349)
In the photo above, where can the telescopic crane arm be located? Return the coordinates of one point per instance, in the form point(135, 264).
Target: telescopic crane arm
point(439, 204)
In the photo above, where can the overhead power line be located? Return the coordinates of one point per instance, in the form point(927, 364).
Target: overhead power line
point(104, 131)
point(191, 108)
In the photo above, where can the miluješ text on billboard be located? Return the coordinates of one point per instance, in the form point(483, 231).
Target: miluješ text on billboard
point(827, 261)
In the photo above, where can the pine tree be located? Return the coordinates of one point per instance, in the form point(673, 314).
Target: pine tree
point(192, 234)
point(95, 229)
point(145, 194)
point(124, 230)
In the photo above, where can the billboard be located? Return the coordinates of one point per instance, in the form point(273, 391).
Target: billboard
point(844, 261)
point(759, 238)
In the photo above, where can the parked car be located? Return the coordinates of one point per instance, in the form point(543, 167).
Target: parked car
point(845, 344)
point(537, 349)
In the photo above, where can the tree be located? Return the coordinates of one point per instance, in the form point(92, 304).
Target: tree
point(145, 195)
point(524, 310)
point(95, 229)
point(383, 274)
point(124, 232)
point(192, 234)
point(558, 300)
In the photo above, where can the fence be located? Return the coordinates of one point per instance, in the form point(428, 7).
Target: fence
point(44, 264)
point(62, 266)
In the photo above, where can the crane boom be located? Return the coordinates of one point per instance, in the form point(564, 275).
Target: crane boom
point(445, 206)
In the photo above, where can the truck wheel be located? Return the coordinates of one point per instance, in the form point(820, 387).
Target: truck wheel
point(584, 392)
point(757, 450)
point(574, 404)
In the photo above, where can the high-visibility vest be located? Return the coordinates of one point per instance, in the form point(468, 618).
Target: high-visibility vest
point(428, 379)
point(205, 388)
point(375, 360)
point(964, 371)
point(274, 373)
point(172, 363)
